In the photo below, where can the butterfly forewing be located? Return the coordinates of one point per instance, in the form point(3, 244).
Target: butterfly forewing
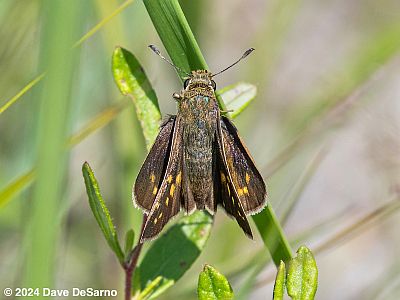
point(248, 183)
point(167, 201)
point(226, 195)
point(149, 179)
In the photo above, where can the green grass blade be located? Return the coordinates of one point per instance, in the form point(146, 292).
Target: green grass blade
point(302, 276)
point(97, 122)
point(22, 92)
point(62, 22)
point(104, 21)
point(279, 286)
point(172, 254)
point(213, 285)
point(272, 234)
point(100, 211)
point(175, 33)
point(15, 187)
point(132, 81)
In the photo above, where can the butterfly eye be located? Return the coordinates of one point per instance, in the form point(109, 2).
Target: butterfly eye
point(186, 83)
point(214, 85)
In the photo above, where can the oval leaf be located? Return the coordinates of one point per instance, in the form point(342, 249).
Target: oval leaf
point(132, 81)
point(100, 211)
point(213, 285)
point(279, 286)
point(129, 239)
point(237, 97)
point(172, 254)
point(302, 275)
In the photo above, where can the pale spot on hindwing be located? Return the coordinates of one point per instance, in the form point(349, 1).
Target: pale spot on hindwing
point(155, 221)
point(155, 190)
point(167, 201)
point(160, 215)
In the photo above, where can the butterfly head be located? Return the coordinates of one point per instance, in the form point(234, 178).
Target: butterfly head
point(200, 79)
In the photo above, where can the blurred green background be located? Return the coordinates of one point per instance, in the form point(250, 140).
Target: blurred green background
point(324, 131)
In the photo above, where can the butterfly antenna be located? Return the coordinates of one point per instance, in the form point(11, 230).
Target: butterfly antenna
point(245, 54)
point(156, 51)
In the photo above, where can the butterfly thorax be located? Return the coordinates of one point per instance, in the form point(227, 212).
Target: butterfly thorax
point(198, 111)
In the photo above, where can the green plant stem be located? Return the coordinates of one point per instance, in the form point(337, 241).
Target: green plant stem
point(131, 263)
point(178, 39)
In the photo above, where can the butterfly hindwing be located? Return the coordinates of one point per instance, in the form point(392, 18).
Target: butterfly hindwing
point(149, 179)
point(246, 179)
point(225, 192)
point(167, 201)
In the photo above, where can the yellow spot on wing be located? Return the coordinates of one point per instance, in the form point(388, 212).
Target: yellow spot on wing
point(245, 190)
point(229, 190)
point(169, 179)
point(155, 190)
point(166, 201)
point(247, 178)
point(172, 190)
point(155, 221)
point(160, 215)
point(223, 178)
point(240, 192)
point(152, 177)
point(179, 178)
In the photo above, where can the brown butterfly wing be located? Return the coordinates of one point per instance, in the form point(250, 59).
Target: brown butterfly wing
point(167, 201)
point(245, 177)
point(153, 169)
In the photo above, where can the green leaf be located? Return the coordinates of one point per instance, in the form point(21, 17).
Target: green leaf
point(172, 254)
point(279, 286)
point(100, 211)
point(132, 81)
point(302, 275)
point(237, 97)
point(213, 285)
point(129, 239)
